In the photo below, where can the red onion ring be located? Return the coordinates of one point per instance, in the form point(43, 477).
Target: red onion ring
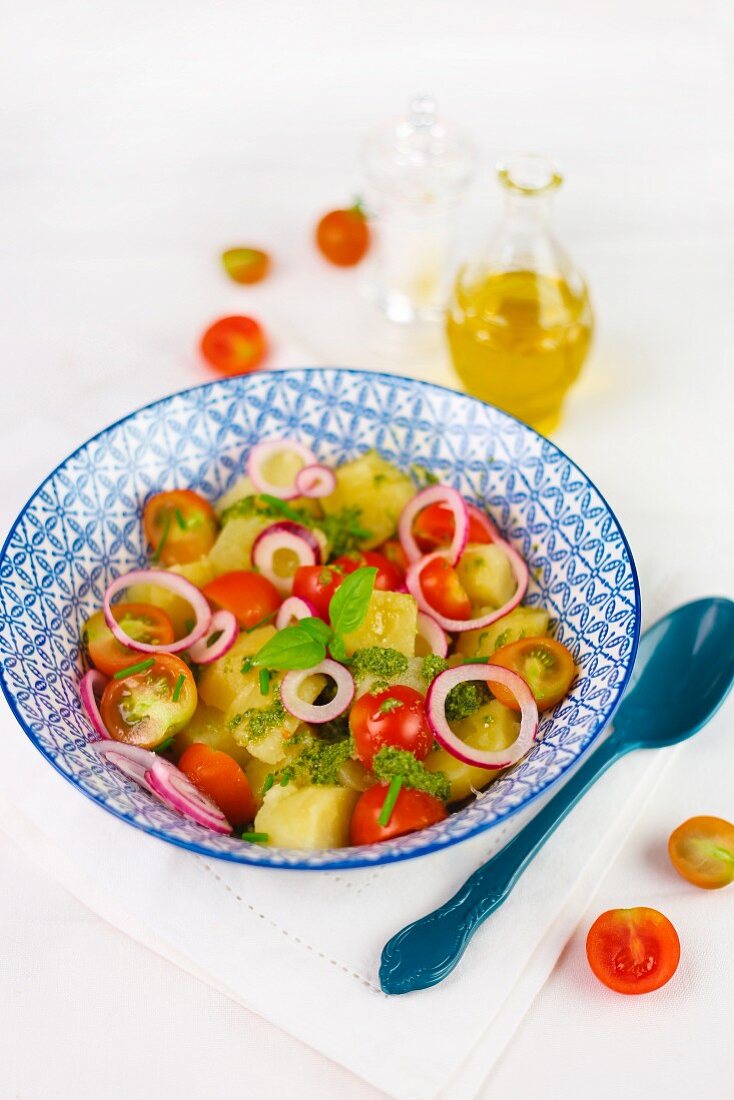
point(177, 791)
point(315, 481)
point(435, 494)
point(223, 623)
point(484, 522)
point(309, 712)
point(132, 761)
point(91, 686)
point(259, 455)
point(293, 608)
point(441, 730)
point(432, 634)
point(284, 535)
point(176, 584)
point(458, 626)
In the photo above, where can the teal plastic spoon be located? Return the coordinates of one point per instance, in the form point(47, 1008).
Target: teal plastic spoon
point(683, 672)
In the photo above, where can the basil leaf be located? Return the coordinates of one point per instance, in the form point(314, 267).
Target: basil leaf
point(349, 603)
point(290, 648)
point(316, 629)
point(338, 650)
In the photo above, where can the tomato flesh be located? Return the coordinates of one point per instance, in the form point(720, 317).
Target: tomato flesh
point(545, 665)
point(413, 810)
point(702, 851)
point(234, 345)
point(633, 950)
point(343, 236)
point(393, 551)
point(141, 709)
point(252, 598)
point(433, 528)
point(180, 526)
point(394, 717)
point(444, 591)
point(317, 584)
point(141, 621)
point(220, 777)
point(389, 575)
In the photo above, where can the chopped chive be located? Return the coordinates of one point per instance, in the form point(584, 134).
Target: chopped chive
point(264, 681)
point(177, 689)
point(139, 666)
point(269, 780)
point(189, 626)
point(256, 838)
point(246, 665)
point(391, 798)
point(162, 543)
point(475, 661)
point(285, 779)
point(164, 745)
point(180, 519)
point(249, 629)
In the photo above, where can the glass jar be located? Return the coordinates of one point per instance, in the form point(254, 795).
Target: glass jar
point(416, 175)
point(520, 322)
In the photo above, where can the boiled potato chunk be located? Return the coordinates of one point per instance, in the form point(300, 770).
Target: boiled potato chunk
point(521, 622)
point(307, 817)
point(233, 549)
point(380, 491)
point(486, 575)
point(391, 622)
point(272, 747)
point(179, 611)
point(208, 727)
point(222, 681)
point(244, 488)
point(492, 726)
point(412, 677)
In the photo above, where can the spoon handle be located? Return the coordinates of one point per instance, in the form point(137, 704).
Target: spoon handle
point(426, 951)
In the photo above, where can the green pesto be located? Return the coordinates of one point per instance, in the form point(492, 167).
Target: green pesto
point(378, 661)
point(319, 763)
point(465, 698)
point(390, 761)
point(343, 529)
point(257, 722)
point(390, 704)
point(432, 665)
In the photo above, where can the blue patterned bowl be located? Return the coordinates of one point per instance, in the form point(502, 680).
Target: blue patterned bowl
point(82, 528)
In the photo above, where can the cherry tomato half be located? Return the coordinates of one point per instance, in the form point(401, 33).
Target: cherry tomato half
point(444, 591)
point(221, 778)
point(317, 584)
point(545, 665)
point(633, 950)
point(433, 528)
point(250, 597)
point(343, 236)
point(147, 707)
point(413, 810)
point(395, 717)
point(702, 851)
point(234, 345)
point(181, 526)
point(141, 621)
point(246, 265)
point(389, 575)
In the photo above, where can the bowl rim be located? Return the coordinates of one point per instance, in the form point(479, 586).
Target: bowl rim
point(356, 861)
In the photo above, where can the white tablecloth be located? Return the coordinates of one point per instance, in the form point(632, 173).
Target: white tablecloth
point(141, 139)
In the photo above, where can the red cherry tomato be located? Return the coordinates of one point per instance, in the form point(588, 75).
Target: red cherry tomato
point(413, 810)
point(444, 591)
point(545, 665)
point(633, 950)
point(317, 584)
point(389, 575)
point(234, 345)
point(393, 551)
point(395, 717)
point(702, 851)
point(180, 526)
point(343, 236)
point(147, 707)
point(216, 774)
point(433, 528)
point(246, 265)
point(250, 597)
point(141, 621)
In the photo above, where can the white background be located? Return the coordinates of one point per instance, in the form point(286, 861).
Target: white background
point(137, 140)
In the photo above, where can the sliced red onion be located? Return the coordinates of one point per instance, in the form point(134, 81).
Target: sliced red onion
point(315, 481)
point(284, 535)
point(432, 634)
point(491, 674)
point(458, 626)
point(132, 761)
point(177, 791)
point(435, 494)
point(485, 522)
point(293, 608)
point(205, 650)
point(91, 686)
point(309, 712)
point(259, 455)
point(174, 583)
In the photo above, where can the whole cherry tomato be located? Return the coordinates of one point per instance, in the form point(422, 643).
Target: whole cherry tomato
point(246, 265)
point(413, 810)
point(147, 707)
point(545, 665)
point(343, 236)
point(389, 575)
point(250, 597)
point(433, 528)
point(141, 621)
point(702, 851)
point(396, 716)
point(220, 777)
point(444, 591)
point(633, 950)
point(181, 526)
point(234, 345)
point(317, 584)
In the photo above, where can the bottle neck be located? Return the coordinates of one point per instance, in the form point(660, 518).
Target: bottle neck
point(529, 211)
